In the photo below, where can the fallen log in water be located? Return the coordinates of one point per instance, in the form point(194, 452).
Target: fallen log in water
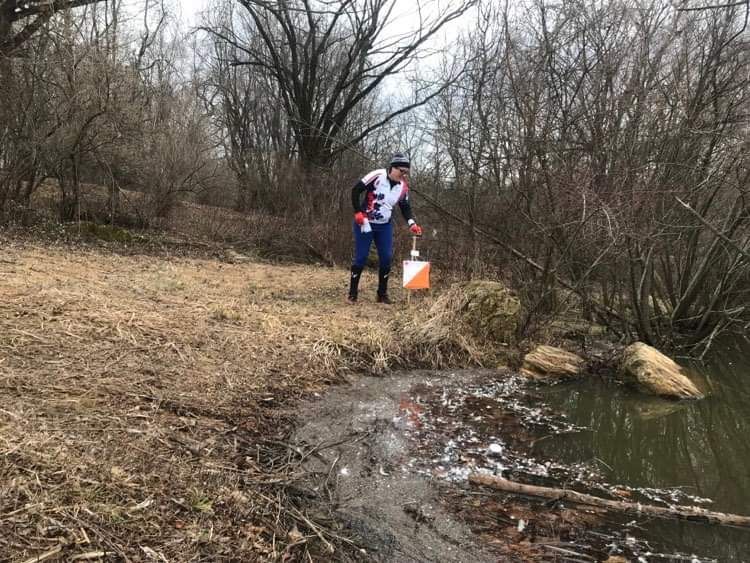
point(691, 513)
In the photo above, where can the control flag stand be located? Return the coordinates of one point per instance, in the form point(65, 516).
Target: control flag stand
point(416, 271)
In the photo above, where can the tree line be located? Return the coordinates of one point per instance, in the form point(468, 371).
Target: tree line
point(592, 154)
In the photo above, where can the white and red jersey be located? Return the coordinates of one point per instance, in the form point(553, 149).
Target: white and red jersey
point(381, 195)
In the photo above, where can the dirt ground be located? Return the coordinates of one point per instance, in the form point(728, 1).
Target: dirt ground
point(394, 511)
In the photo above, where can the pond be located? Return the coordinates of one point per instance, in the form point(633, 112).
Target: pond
point(700, 448)
point(400, 451)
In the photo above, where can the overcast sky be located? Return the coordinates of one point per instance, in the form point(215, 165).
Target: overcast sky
point(404, 19)
point(191, 9)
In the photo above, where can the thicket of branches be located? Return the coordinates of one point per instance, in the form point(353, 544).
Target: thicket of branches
point(595, 147)
point(608, 143)
point(92, 99)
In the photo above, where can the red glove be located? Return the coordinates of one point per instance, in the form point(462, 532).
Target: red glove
point(416, 230)
point(360, 218)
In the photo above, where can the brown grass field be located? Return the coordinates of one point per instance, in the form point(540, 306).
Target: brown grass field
point(145, 401)
point(132, 387)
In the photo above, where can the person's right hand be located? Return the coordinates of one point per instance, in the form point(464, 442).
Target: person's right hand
point(360, 218)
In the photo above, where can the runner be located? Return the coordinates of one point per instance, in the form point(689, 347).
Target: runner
point(374, 198)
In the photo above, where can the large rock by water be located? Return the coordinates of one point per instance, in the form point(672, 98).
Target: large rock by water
point(550, 363)
point(655, 373)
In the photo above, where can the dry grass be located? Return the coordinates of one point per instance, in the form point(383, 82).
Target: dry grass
point(145, 402)
point(263, 235)
point(442, 338)
point(446, 334)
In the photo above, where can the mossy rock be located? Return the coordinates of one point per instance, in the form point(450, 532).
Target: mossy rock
point(469, 324)
point(491, 310)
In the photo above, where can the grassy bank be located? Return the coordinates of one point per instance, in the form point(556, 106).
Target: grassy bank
point(146, 400)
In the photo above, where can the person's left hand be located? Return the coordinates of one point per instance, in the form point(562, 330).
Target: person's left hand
point(416, 230)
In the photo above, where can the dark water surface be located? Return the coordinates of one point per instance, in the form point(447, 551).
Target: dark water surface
point(689, 451)
point(592, 435)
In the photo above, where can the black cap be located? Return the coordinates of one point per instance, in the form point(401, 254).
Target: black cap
point(400, 160)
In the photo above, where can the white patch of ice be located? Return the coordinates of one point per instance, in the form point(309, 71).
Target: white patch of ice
point(495, 449)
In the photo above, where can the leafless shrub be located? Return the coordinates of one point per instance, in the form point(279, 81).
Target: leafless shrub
point(577, 132)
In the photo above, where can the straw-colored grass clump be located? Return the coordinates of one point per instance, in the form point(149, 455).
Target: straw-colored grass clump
point(468, 324)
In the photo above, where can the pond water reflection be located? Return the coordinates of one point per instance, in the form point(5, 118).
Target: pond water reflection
point(700, 447)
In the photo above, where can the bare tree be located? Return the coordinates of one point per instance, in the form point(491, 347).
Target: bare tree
point(256, 137)
point(32, 15)
point(93, 103)
point(326, 59)
point(607, 145)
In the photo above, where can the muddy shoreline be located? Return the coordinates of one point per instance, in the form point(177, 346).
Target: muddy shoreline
point(399, 477)
point(392, 512)
point(395, 453)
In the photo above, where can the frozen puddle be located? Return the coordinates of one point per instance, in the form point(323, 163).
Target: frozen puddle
point(485, 425)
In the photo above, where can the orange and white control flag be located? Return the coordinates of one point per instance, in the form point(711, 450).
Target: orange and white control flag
point(416, 274)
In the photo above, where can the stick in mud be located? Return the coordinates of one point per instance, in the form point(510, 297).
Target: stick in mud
point(691, 513)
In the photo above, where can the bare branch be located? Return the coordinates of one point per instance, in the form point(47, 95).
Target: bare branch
point(713, 229)
point(714, 7)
